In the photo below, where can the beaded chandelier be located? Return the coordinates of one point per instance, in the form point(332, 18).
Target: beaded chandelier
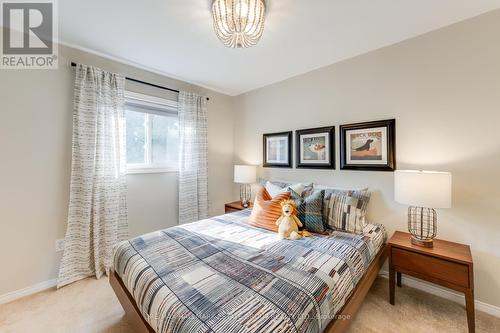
point(239, 23)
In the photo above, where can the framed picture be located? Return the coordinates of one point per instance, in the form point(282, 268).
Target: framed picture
point(278, 150)
point(368, 146)
point(315, 148)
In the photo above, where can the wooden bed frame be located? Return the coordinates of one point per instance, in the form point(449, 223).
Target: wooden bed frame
point(346, 315)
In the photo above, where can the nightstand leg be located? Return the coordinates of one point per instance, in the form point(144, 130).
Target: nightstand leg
point(392, 286)
point(469, 305)
point(398, 279)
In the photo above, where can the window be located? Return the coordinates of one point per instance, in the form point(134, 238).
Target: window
point(152, 134)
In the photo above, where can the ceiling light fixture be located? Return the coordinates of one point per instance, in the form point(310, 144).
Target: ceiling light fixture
point(239, 23)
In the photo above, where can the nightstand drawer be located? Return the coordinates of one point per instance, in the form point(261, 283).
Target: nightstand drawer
point(231, 210)
point(440, 269)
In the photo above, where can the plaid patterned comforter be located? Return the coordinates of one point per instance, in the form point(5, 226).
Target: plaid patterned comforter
point(222, 275)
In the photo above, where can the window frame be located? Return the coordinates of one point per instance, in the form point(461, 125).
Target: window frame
point(161, 106)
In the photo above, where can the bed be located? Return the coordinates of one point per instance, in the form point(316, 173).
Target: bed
point(223, 275)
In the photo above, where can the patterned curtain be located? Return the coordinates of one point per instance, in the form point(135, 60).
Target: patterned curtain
point(97, 216)
point(193, 158)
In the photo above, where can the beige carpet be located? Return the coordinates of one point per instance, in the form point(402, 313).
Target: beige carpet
point(91, 306)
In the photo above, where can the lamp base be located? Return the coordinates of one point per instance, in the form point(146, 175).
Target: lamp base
point(422, 225)
point(424, 243)
point(245, 195)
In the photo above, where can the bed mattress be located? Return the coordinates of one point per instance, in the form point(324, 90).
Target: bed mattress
point(223, 275)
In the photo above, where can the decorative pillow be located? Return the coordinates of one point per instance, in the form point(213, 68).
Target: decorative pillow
point(329, 191)
point(275, 188)
point(325, 187)
point(347, 211)
point(310, 209)
point(266, 209)
point(280, 183)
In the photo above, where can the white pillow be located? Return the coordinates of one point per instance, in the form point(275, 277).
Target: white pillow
point(274, 190)
point(327, 187)
point(298, 188)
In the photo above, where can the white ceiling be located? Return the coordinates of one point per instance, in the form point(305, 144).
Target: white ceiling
point(176, 37)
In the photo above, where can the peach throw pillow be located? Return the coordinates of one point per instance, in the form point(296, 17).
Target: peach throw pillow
point(267, 210)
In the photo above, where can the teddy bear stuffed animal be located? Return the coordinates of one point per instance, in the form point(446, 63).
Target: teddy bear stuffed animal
point(288, 223)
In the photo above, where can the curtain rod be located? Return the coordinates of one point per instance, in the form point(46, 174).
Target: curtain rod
point(73, 64)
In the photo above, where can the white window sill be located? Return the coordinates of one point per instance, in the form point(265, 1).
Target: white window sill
point(138, 171)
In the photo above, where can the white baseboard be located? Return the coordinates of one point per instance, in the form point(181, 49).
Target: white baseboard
point(13, 295)
point(445, 293)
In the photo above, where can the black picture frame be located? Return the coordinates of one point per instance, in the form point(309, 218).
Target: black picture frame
point(390, 125)
point(286, 164)
point(331, 148)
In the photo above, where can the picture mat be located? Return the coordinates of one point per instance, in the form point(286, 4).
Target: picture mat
point(383, 144)
point(326, 142)
point(277, 150)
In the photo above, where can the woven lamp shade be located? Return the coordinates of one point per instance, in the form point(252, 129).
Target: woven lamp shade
point(239, 23)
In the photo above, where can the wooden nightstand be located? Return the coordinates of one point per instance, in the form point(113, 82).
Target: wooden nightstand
point(235, 206)
point(447, 264)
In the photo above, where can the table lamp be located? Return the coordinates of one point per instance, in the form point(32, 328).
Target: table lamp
point(245, 175)
point(422, 191)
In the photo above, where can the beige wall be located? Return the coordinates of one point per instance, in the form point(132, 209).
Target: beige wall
point(35, 149)
point(444, 90)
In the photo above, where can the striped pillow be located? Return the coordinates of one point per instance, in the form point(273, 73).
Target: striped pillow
point(347, 211)
point(310, 210)
point(266, 209)
point(330, 191)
